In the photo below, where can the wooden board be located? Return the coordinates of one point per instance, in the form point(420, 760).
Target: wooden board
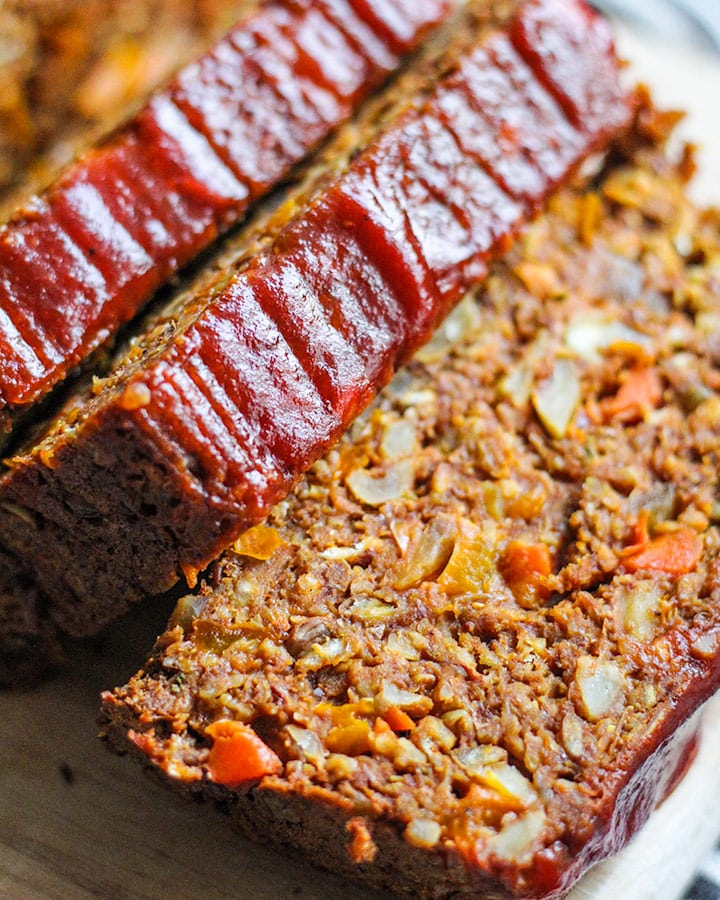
point(77, 822)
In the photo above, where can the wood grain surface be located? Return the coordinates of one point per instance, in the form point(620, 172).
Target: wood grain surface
point(77, 822)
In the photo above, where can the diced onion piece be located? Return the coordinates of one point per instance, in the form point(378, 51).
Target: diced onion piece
point(429, 555)
point(402, 533)
point(508, 781)
point(706, 645)
point(331, 651)
point(708, 322)
point(601, 685)
point(556, 399)
point(307, 743)
point(341, 553)
point(437, 732)
point(516, 385)
point(423, 833)
point(391, 695)
point(571, 732)
point(394, 482)
point(517, 839)
point(399, 642)
point(475, 760)
point(462, 321)
point(406, 756)
point(340, 767)
point(398, 439)
point(642, 607)
point(459, 720)
point(327, 653)
point(659, 502)
point(188, 608)
point(370, 609)
point(588, 334)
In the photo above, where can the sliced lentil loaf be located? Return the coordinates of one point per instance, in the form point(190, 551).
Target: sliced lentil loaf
point(462, 658)
point(217, 411)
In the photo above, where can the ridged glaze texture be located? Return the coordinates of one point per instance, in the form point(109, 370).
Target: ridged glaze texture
point(82, 259)
point(218, 425)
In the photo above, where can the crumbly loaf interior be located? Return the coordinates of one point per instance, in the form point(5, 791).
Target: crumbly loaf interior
point(476, 617)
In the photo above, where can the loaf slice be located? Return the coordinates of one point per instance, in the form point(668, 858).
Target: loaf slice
point(82, 259)
point(217, 411)
point(462, 658)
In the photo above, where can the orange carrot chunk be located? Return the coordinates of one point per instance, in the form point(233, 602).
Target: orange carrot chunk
point(524, 567)
point(238, 755)
point(640, 392)
point(641, 531)
point(259, 542)
point(675, 553)
point(380, 726)
point(398, 719)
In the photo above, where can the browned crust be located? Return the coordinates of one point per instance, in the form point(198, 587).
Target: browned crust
point(320, 826)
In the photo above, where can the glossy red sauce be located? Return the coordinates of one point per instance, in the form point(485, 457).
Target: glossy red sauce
point(552, 37)
point(136, 209)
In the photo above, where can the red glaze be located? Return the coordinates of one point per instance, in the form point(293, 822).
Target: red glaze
point(253, 390)
point(356, 31)
point(394, 20)
point(123, 219)
point(554, 40)
point(535, 143)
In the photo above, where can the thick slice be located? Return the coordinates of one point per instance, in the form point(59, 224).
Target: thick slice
point(79, 261)
point(211, 420)
point(462, 658)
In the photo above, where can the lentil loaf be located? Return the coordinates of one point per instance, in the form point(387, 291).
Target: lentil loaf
point(216, 412)
point(462, 658)
point(82, 259)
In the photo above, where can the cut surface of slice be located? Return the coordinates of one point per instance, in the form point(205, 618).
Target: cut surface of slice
point(470, 644)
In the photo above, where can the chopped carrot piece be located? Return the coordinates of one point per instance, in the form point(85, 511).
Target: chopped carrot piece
point(524, 567)
point(398, 719)
point(259, 542)
point(238, 755)
point(380, 726)
point(676, 553)
point(351, 739)
point(641, 391)
point(640, 532)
